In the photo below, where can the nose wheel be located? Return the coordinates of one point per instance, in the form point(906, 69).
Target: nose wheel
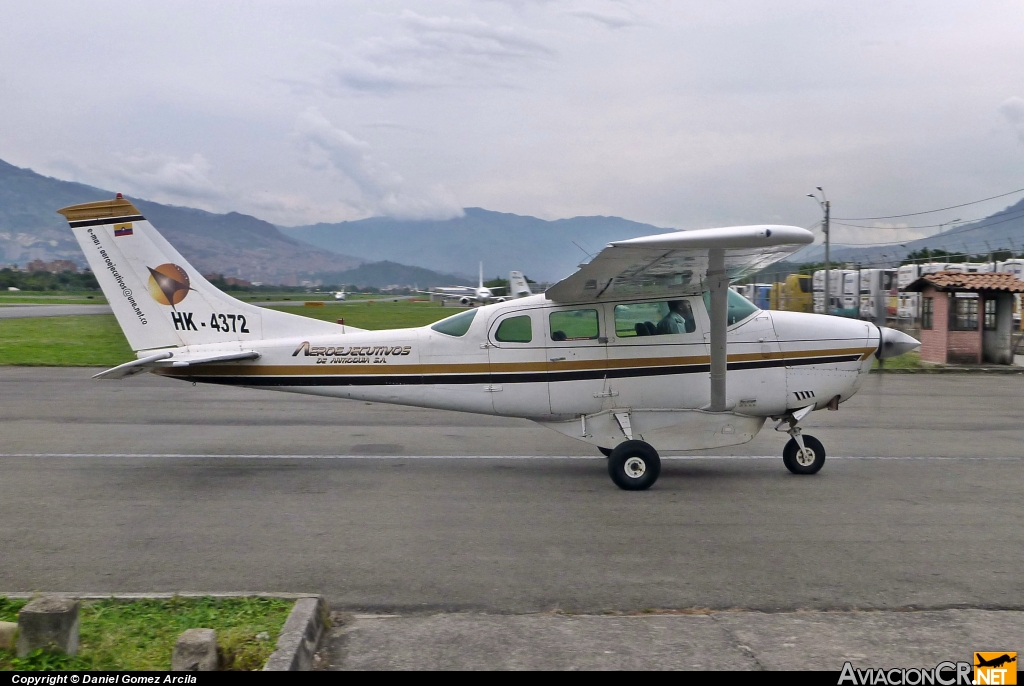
point(807, 458)
point(634, 465)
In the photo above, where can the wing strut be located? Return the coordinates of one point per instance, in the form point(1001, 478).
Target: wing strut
point(718, 281)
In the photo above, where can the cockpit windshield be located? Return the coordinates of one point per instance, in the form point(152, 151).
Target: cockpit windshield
point(739, 307)
point(456, 325)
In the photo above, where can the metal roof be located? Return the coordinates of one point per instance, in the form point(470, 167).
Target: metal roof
point(960, 281)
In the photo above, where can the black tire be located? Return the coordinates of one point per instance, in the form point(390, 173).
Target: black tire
point(789, 456)
point(634, 465)
point(607, 452)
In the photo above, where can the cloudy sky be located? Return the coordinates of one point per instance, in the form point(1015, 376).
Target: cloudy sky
point(681, 114)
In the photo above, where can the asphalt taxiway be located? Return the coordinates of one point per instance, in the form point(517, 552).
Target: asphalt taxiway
point(150, 484)
point(28, 311)
point(155, 484)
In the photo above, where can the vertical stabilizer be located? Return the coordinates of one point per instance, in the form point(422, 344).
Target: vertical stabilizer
point(518, 288)
point(159, 299)
point(481, 275)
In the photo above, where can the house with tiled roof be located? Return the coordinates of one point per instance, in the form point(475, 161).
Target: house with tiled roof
point(967, 318)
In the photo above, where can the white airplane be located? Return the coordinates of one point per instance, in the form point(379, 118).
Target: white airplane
point(340, 295)
point(481, 295)
point(632, 353)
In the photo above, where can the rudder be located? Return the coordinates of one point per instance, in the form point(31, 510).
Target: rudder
point(158, 298)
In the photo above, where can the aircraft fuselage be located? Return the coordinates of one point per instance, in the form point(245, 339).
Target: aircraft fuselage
point(585, 360)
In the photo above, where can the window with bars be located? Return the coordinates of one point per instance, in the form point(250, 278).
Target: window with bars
point(927, 305)
point(990, 315)
point(963, 315)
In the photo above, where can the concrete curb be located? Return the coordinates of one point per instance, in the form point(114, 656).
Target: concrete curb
point(297, 643)
point(300, 636)
point(1010, 370)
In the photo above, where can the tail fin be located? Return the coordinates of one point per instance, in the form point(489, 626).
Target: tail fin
point(481, 275)
point(518, 288)
point(159, 299)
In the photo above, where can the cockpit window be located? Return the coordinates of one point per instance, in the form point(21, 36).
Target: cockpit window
point(739, 307)
point(654, 319)
point(457, 325)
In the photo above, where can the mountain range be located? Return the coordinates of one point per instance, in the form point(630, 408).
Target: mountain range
point(382, 250)
point(544, 250)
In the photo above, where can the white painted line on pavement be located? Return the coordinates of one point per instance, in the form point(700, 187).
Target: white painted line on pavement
point(478, 457)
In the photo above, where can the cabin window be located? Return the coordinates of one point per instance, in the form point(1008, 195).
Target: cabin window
point(990, 315)
point(573, 325)
point(927, 305)
point(805, 284)
point(457, 325)
point(963, 316)
point(739, 307)
point(515, 330)
point(654, 319)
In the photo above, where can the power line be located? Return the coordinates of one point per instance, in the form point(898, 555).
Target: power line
point(941, 209)
point(928, 226)
point(924, 238)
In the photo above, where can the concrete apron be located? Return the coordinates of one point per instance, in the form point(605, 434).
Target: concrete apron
point(730, 640)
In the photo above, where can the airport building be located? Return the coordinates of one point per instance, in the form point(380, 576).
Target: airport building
point(967, 318)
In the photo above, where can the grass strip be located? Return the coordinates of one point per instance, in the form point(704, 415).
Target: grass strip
point(140, 634)
point(97, 341)
point(78, 341)
point(911, 360)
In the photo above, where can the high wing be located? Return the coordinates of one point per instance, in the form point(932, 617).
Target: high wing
point(677, 263)
point(685, 263)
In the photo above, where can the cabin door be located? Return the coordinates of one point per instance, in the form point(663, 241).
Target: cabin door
point(576, 340)
point(517, 359)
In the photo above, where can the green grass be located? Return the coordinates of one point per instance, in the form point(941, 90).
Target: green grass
point(80, 341)
point(378, 315)
point(911, 360)
point(97, 341)
point(9, 609)
point(140, 634)
point(29, 299)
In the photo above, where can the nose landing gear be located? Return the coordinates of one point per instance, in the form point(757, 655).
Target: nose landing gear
point(803, 459)
point(802, 454)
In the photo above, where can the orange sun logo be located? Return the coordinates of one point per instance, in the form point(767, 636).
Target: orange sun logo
point(168, 284)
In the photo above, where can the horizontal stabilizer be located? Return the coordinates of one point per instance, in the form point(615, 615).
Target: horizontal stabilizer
point(171, 359)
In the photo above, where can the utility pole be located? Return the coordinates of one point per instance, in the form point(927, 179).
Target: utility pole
point(826, 206)
point(828, 261)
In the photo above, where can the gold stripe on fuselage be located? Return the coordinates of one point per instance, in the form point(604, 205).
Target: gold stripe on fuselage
point(498, 367)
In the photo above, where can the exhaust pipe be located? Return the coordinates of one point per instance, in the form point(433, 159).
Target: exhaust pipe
point(892, 343)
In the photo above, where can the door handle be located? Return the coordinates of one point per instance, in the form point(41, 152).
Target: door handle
point(557, 359)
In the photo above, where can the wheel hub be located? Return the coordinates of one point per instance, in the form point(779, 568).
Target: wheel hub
point(805, 457)
point(635, 467)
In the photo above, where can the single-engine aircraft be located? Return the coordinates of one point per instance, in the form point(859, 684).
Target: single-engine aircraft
point(643, 349)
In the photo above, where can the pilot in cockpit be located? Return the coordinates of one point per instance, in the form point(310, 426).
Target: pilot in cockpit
point(678, 320)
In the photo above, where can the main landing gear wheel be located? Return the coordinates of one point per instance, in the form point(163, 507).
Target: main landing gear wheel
point(806, 461)
point(607, 452)
point(634, 465)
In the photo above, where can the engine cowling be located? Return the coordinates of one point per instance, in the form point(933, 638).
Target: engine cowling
point(464, 300)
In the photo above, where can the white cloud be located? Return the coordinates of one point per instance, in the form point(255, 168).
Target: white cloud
point(367, 185)
point(617, 18)
point(439, 51)
point(1013, 110)
point(149, 175)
